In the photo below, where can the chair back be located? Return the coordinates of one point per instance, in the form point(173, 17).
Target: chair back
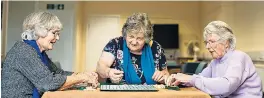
point(200, 67)
point(189, 67)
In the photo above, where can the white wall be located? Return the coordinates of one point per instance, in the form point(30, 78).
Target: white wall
point(64, 49)
point(16, 14)
point(249, 23)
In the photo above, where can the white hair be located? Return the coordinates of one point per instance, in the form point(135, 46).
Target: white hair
point(38, 24)
point(221, 29)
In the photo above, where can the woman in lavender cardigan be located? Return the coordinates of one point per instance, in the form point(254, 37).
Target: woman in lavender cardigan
point(230, 74)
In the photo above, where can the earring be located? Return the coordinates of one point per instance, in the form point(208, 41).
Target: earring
point(27, 35)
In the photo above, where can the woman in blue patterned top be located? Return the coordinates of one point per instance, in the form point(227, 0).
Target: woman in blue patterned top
point(134, 58)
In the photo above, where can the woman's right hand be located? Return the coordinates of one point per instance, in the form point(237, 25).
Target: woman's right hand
point(176, 79)
point(171, 80)
point(115, 75)
point(89, 77)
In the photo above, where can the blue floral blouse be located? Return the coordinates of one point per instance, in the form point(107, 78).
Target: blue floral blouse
point(115, 46)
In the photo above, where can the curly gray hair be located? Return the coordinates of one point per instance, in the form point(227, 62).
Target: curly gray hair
point(138, 22)
point(221, 29)
point(38, 24)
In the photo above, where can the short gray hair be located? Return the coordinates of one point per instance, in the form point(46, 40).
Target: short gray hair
point(221, 29)
point(138, 22)
point(37, 24)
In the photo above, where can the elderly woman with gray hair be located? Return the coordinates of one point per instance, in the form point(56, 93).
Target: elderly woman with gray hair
point(230, 74)
point(133, 58)
point(27, 71)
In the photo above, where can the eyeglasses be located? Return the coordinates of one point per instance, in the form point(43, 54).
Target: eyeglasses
point(211, 42)
point(56, 33)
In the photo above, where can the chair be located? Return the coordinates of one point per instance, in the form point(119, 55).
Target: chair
point(200, 67)
point(173, 67)
point(189, 68)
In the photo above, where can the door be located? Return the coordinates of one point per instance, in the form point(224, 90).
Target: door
point(100, 30)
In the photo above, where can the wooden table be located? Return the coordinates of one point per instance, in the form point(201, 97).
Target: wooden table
point(162, 93)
